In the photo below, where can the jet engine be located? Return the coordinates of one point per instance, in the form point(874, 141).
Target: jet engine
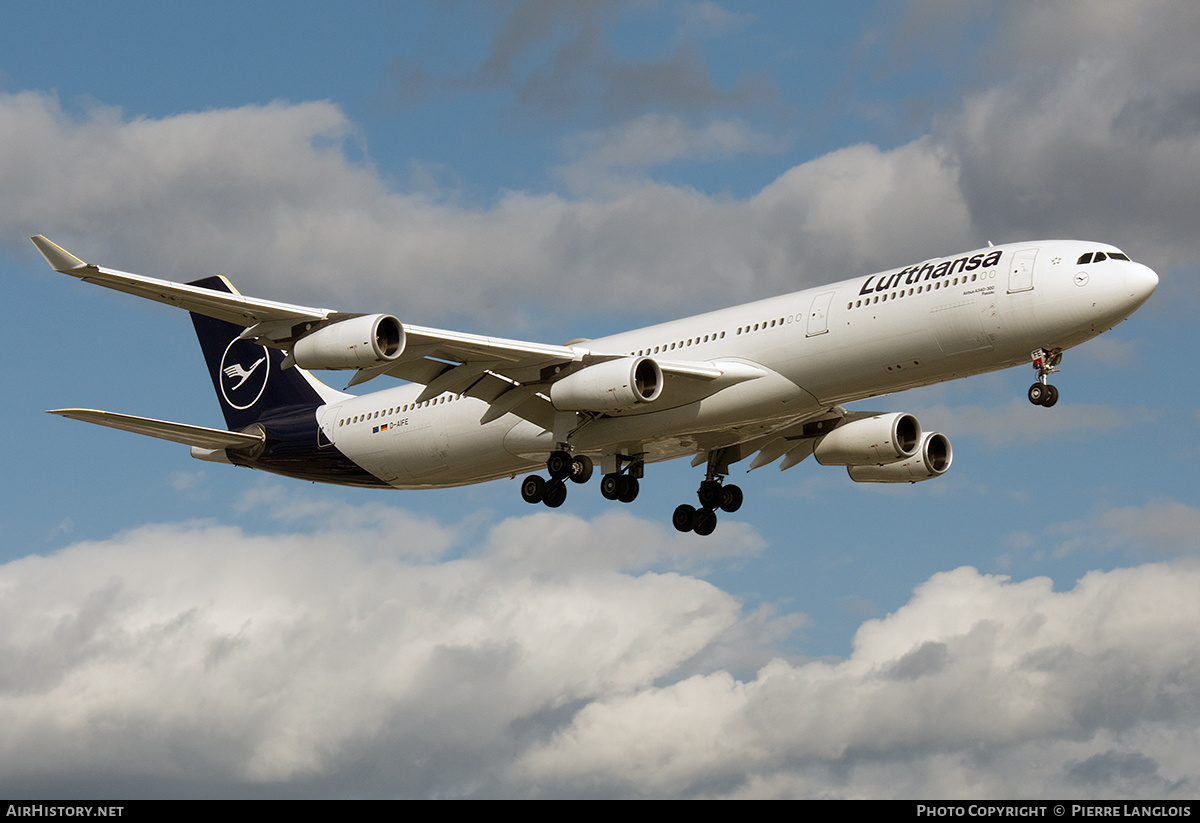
point(870, 441)
point(932, 459)
point(356, 343)
point(609, 386)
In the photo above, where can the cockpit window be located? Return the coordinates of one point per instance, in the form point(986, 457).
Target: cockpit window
point(1097, 256)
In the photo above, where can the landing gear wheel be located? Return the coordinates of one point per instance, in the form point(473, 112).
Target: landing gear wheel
point(619, 487)
point(706, 522)
point(610, 486)
point(684, 518)
point(581, 469)
point(558, 464)
point(710, 494)
point(556, 494)
point(731, 498)
point(628, 491)
point(1043, 394)
point(1045, 363)
point(533, 489)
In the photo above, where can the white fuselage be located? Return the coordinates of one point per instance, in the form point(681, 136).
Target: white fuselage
point(871, 335)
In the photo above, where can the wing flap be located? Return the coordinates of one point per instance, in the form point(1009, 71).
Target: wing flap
point(184, 433)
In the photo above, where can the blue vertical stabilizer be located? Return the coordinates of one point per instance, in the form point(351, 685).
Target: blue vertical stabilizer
point(247, 377)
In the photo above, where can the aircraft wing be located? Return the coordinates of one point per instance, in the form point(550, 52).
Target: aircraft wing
point(188, 435)
point(274, 324)
point(510, 375)
point(232, 308)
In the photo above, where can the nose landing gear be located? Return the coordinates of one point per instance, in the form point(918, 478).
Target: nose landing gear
point(1045, 361)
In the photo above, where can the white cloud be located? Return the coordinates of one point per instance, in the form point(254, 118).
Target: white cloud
point(656, 139)
point(266, 195)
point(345, 662)
point(1161, 527)
point(1092, 138)
point(976, 687)
point(1100, 146)
point(1094, 134)
point(195, 649)
point(854, 208)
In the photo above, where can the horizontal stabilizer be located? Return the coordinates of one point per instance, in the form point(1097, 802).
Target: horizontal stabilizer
point(183, 433)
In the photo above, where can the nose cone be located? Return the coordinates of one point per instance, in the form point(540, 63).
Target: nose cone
point(1142, 282)
point(1115, 290)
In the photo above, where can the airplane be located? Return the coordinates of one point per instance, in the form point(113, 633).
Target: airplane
point(768, 378)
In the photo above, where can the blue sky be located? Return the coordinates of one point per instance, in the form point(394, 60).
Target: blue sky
point(548, 170)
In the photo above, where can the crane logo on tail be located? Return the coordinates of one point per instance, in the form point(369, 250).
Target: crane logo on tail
point(244, 373)
point(236, 370)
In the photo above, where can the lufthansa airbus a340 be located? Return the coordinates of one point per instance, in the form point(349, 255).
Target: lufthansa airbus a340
point(767, 379)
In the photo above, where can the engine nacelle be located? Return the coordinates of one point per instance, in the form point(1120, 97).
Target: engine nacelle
point(609, 386)
point(870, 441)
point(351, 344)
point(932, 459)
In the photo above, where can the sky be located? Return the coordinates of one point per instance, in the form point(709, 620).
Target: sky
point(1024, 626)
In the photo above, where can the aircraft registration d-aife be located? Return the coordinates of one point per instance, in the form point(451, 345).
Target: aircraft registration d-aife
point(767, 379)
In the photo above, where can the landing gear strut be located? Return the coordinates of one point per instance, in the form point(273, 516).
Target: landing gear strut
point(1045, 361)
point(562, 466)
point(713, 495)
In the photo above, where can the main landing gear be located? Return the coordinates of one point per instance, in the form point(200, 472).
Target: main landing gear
point(562, 466)
point(1045, 361)
point(623, 485)
point(713, 495)
point(617, 486)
